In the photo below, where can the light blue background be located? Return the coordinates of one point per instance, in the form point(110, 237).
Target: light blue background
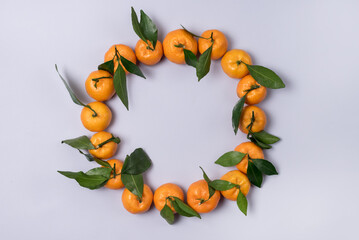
point(182, 124)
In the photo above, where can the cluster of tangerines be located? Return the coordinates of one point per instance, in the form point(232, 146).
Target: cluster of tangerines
point(179, 46)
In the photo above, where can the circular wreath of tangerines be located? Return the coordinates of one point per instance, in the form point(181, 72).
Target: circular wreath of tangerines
point(179, 46)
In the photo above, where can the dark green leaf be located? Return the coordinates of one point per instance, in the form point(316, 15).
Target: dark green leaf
point(167, 214)
point(72, 94)
point(184, 209)
point(254, 175)
point(148, 28)
point(230, 159)
point(119, 82)
point(242, 202)
point(265, 166)
point(211, 190)
point(194, 35)
point(102, 163)
point(136, 25)
point(131, 67)
point(106, 172)
point(265, 137)
point(88, 156)
point(204, 63)
point(265, 76)
point(236, 113)
point(82, 142)
point(86, 180)
point(190, 58)
point(221, 185)
point(134, 183)
point(107, 66)
point(137, 163)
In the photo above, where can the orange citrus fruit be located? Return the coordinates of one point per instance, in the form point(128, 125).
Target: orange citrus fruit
point(197, 197)
point(146, 55)
point(105, 151)
point(260, 119)
point(220, 43)
point(133, 204)
point(238, 178)
point(250, 149)
point(99, 85)
point(232, 63)
point(163, 192)
point(98, 122)
point(124, 51)
point(174, 43)
point(115, 182)
point(254, 96)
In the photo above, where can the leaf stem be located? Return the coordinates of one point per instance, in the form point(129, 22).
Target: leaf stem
point(180, 45)
point(96, 80)
point(250, 125)
point(112, 139)
point(94, 112)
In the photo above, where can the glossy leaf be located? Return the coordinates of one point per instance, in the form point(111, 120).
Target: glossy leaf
point(88, 156)
point(265, 137)
point(204, 63)
point(236, 113)
point(119, 82)
point(211, 190)
point(82, 142)
point(137, 163)
point(131, 67)
point(90, 181)
point(102, 163)
point(259, 143)
point(106, 172)
point(221, 185)
point(107, 66)
point(230, 159)
point(265, 166)
point(254, 175)
point(72, 94)
point(134, 183)
point(265, 76)
point(149, 29)
point(167, 214)
point(136, 25)
point(190, 58)
point(242, 202)
point(183, 209)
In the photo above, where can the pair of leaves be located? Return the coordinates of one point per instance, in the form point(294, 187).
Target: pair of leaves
point(262, 139)
point(180, 207)
point(92, 179)
point(72, 94)
point(202, 64)
point(256, 169)
point(145, 29)
point(265, 76)
point(133, 167)
point(119, 77)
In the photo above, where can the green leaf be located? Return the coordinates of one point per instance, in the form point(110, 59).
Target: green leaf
point(167, 214)
point(254, 175)
point(106, 172)
point(119, 82)
point(230, 159)
point(148, 29)
point(107, 66)
point(265, 137)
point(88, 156)
point(265, 76)
point(183, 209)
point(72, 94)
point(221, 185)
point(194, 35)
point(211, 190)
point(102, 163)
point(134, 183)
point(190, 58)
point(204, 63)
point(137, 163)
point(136, 25)
point(82, 142)
point(265, 166)
point(259, 143)
point(86, 180)
point(131, 67)
point(242, 202)
point(236, 113)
